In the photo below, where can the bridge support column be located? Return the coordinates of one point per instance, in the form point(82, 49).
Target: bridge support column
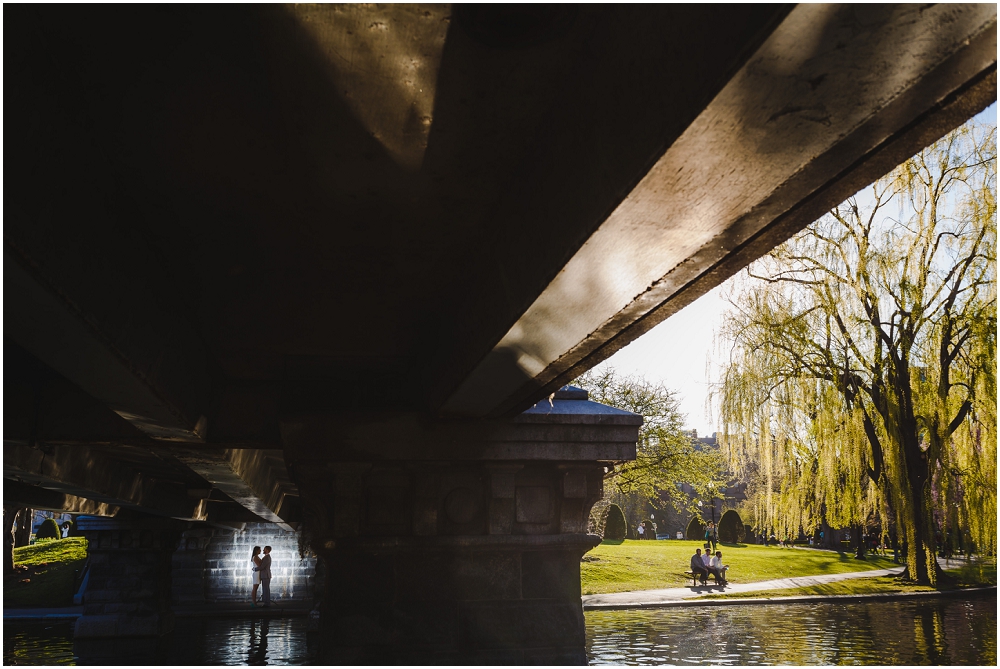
point(128, 591)
point(468, 554)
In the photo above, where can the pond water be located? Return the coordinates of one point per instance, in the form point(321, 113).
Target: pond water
point(927, 631)
point(907, 632)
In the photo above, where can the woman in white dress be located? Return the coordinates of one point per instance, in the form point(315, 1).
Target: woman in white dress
point(255, 561)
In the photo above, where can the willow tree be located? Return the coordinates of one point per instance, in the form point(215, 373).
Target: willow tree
point(862, 370)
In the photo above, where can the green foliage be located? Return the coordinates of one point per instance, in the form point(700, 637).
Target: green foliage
point(48, 530)
point(665, 454)
point(862, 377)
point(695, 529)
point(731, 528)
point(614, 523)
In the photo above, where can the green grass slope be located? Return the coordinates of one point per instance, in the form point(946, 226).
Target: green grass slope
point(44, 575)
point(647, 565)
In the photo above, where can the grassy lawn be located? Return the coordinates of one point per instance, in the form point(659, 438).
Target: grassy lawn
point(647, 565)
point(44, 573)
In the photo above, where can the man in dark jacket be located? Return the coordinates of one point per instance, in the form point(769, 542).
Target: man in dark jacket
point(265, 576)
point(698, 567)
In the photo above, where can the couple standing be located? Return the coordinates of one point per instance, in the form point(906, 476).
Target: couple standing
point(261, 575)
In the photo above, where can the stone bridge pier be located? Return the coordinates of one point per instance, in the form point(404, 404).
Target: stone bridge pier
point(465, 546)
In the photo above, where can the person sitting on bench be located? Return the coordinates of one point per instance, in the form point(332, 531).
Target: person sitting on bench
point(698, 568)
point(718, 568)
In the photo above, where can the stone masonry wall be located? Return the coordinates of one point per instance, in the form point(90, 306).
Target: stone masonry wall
point(213, 565)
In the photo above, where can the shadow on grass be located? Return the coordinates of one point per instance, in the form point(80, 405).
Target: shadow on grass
point(612, 542)
point(729, 545)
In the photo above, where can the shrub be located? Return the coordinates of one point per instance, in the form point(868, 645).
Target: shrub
point(48, 530)
point(695, 529)
point(731, 528)
point(614, 523)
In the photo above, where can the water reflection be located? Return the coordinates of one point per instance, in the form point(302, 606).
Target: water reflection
point(38, 643)
point(928, 631)
point(939, 631)
point(194, 641)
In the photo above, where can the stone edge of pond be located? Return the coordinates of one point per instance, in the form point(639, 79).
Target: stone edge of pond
point(204, 611)
point(798, 599)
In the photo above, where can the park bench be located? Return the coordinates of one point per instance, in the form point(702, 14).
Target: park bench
point(695, 577)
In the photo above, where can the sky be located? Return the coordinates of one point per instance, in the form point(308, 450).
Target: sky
point(678, 352)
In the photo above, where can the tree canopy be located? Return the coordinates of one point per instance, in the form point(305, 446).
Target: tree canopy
point(861, 380)
point(665, 452)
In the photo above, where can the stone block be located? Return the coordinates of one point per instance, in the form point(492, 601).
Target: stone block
point(462, 505)
point(361, 580)
point(425, 624)
point(494, 657)
point(485, 575)
point(554, 657)
point(572, 519)
point(426, 577)
point(547, 625)
point(425, 517)
point(149, 625)
point(550, 575)
point(347, 517)
point(490, 626)
point(575, 484)
point(96, 626)
point(534, 504)
point(388, 506)
point(501, 516)
point(99, 596)
point(502, 481)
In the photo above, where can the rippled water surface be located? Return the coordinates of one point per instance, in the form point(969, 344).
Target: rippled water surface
point(211, 641)
point(928, 631)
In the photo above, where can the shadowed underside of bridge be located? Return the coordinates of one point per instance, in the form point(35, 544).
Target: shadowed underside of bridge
point(320, 264)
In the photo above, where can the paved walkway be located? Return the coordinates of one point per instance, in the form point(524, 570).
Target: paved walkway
point(667, 596)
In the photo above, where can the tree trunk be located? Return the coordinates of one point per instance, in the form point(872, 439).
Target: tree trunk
point(22, 527)
point(9, 515)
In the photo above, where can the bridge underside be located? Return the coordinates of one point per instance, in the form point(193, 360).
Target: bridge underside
point(321, 266)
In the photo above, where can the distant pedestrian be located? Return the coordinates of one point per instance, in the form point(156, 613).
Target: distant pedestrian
point(641, 531)
point(65, 529)
point(265, 576)
point(712, 534)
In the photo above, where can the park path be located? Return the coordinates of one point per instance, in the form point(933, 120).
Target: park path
point(667, 596)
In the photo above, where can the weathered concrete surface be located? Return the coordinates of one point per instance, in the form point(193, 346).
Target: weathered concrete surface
point(128, 592)
point(21, 495)
point(255, 479)
point(830, 86)
point(89, 472)
point(461, 557)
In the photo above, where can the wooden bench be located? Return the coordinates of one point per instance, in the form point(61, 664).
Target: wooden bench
point(695, 577)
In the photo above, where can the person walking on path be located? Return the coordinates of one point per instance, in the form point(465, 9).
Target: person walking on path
point(641, 531)
point(255, 574)
point(265, 576)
